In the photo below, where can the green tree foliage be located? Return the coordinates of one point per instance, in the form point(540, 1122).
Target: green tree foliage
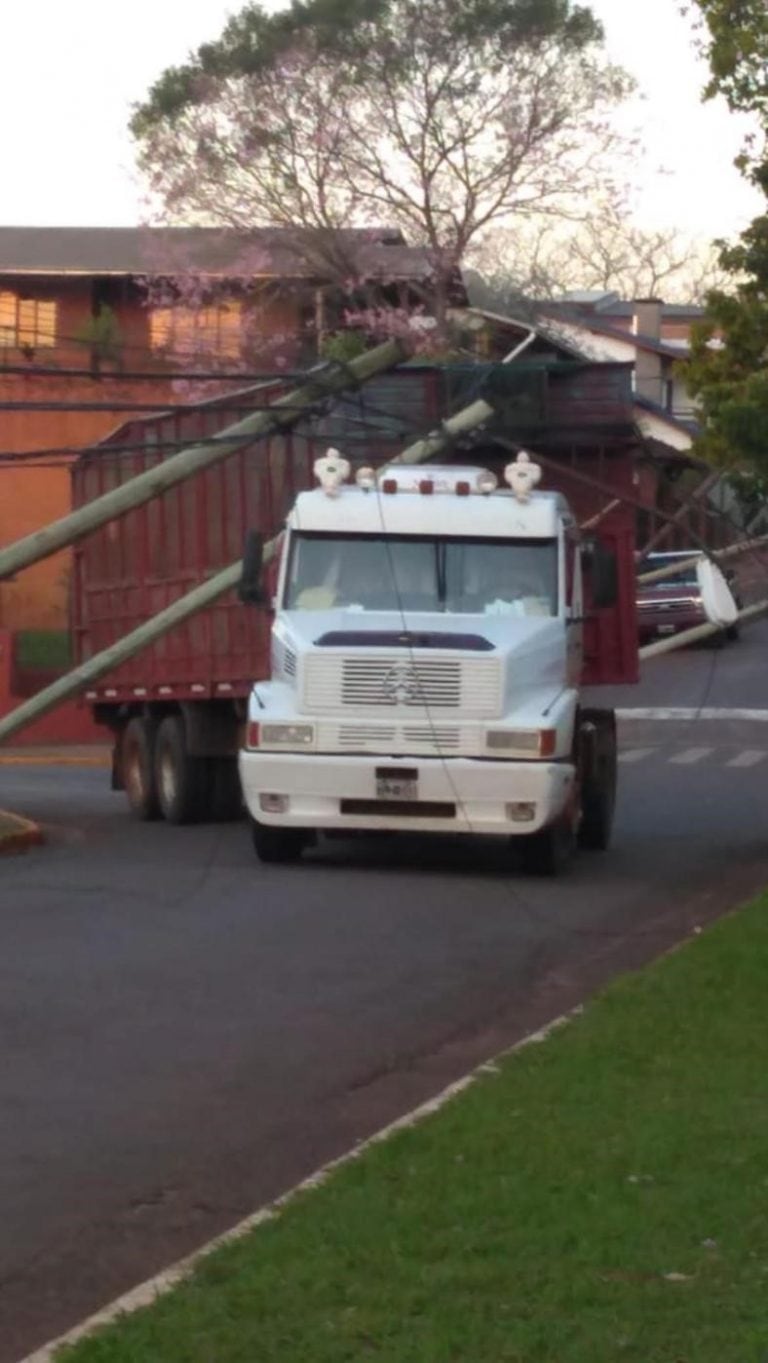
point(729, 366)
point(253, 41)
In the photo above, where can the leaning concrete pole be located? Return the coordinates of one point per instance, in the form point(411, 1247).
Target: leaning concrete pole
point(284, 412)
point(469, 418)
point(95, 667)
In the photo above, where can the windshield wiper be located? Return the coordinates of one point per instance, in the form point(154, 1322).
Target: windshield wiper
point(440, 561)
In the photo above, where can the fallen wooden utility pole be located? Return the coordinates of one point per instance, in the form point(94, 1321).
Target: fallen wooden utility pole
point(692, 636)
point(676, 517)
point(719, 555)
point(284, 412)
point(69, 685)
point(469, 418)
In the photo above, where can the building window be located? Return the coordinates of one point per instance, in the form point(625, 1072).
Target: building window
point(214, 330)
point(27, 321)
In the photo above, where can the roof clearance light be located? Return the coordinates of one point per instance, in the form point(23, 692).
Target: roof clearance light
point(389, 485)
point(487, 482)
point(462, 488)
point(523, 476)
point(331, 470)
point(366, 479)
point(426, 487)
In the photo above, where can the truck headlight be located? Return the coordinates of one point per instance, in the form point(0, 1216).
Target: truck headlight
point(287, 735)
point(527, 742)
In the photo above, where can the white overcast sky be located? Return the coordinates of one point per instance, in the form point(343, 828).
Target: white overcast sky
point(71, 71)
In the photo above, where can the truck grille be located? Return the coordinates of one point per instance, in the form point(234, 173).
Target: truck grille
point(668, 604)
point(470, 687)
point(359, 736)
point(367, 681)
point(413, 740)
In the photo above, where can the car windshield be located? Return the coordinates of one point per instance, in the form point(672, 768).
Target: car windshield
point(409, 573)
point(685, 578)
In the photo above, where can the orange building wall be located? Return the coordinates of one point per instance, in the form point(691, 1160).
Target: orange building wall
point(32, 494)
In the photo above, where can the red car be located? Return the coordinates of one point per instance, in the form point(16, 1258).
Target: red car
point(673, 603)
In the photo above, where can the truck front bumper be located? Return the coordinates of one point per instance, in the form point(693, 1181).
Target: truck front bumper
point(456, 795)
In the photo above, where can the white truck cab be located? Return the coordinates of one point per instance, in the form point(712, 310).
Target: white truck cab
point(426, 655)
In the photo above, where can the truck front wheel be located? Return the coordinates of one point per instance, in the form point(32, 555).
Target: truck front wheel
point(137, 769)
point(549, 851)
point(598, 779)
point(180, 778)
point(277, 844)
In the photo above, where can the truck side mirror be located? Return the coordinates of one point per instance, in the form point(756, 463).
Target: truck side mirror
point(250, 588)
point(716, 596)
point(603, 573)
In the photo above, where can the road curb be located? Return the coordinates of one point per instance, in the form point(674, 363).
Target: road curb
point(686, 713)
point(144, 1294)
point(54, 759)
point(22, 836)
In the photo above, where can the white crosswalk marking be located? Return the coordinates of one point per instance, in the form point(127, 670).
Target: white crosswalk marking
point(749, 758)
point(634, 754)
point(691, 755)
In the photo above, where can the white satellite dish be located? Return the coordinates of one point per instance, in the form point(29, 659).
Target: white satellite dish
point(716, 596)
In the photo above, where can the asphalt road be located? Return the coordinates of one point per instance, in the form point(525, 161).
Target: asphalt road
point(186, 1033)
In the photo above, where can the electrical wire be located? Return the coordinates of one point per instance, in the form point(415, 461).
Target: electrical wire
point(156, 376)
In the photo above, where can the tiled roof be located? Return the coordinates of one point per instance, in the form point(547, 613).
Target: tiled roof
point(691, 427)
point(587, 321)
point(271, 251)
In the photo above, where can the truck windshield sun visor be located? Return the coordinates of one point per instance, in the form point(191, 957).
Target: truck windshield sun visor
point(341, 638)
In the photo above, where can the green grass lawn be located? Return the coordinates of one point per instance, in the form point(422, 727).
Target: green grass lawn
point(603, 1197)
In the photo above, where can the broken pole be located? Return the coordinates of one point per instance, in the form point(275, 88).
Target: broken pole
point(284, 412)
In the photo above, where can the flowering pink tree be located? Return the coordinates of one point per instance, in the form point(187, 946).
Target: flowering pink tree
point(438, 118)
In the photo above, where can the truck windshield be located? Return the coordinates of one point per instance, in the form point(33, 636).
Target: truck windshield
point(408, 573)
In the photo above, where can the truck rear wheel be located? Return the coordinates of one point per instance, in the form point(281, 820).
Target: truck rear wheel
point(137, 769)
point(277, 844)
point(180, 778)
point(598, 780)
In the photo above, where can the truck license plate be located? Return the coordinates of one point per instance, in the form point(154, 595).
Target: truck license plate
point(397, 783)
point(666, 629)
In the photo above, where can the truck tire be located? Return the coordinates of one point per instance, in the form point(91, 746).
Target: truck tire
point(137, 769)
point(548, 852)
point(180, 779)
point(275, 845)
point(598, 781)
point(226, 791)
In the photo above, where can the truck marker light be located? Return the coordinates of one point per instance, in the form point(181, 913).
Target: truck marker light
point(389, 485)
point(273, 804)
point(521, 812)
point(487, 482)
point(426, 487)
point(463, 489)
point(523, 475)
point(331, 470)
point(547, 742)
point(252, 735)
